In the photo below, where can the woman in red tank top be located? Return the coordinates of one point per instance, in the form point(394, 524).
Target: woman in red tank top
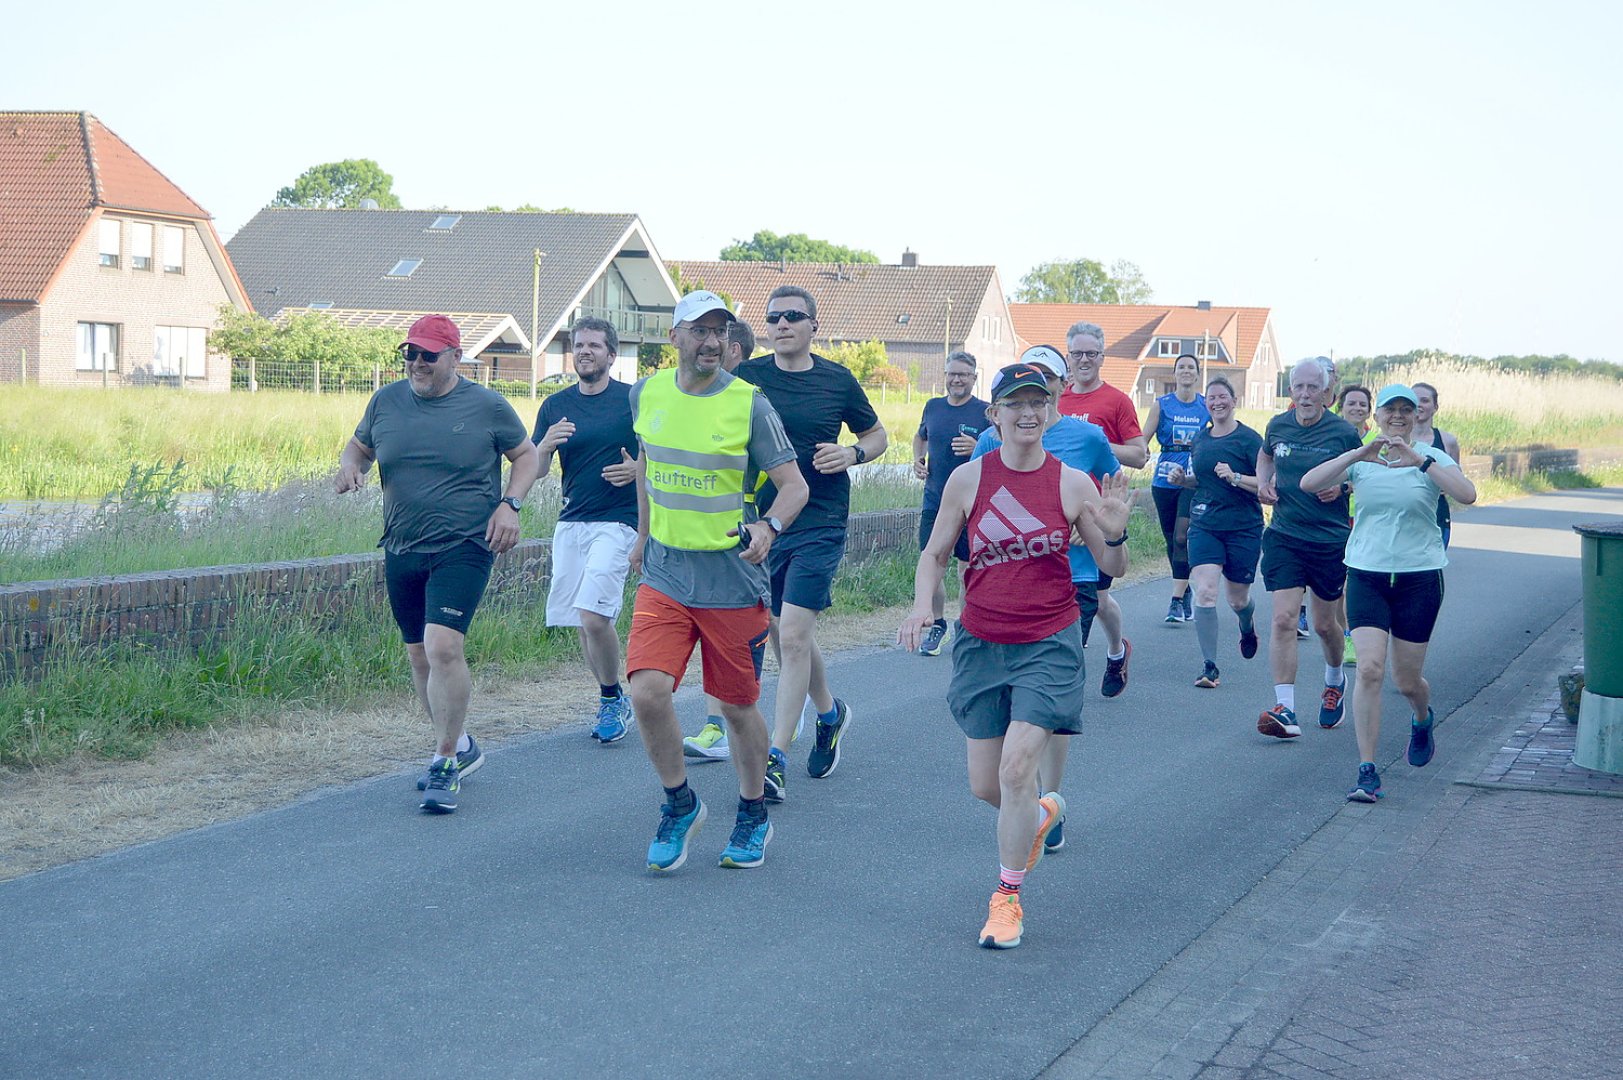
point(1017, 656)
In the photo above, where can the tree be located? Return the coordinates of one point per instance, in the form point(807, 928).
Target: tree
point(340, 184)
point(1084, 281)
point(862, 357)
point(291, 349)
point(767, 246)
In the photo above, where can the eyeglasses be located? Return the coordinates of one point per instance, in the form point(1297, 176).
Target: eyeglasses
point(793, 316)
point(412, 355)
point(1086, 354)
point(1025, 406)
point(702, 332)
point(960, 375)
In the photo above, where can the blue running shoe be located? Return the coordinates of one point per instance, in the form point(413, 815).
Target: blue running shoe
point(1368, 788)
point(439, 797)
point(670, 847)
point(1333, 706)
point(1302, 630)
point(826, 754)
point(614, 719)
point(776, 786)
point(1056, 836)
point(1279, 722)
point(467, 762)
point(747, 848)
point(1421, 744)
point(934, 637)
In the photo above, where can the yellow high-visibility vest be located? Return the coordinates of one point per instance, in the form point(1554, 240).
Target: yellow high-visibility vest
point(697, 450)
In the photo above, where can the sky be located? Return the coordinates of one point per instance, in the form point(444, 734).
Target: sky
point(1385, 176)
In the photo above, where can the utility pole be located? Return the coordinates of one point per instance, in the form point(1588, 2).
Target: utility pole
point(535, 319)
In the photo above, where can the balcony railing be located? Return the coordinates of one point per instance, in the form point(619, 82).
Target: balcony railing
point(629, 323)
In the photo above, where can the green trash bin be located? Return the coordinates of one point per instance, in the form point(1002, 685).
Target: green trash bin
point(1600, 711)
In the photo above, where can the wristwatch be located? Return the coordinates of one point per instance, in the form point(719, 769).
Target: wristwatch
point(1119, 541)
point(862, 455)
point(510, 501)
point(774, 524)
point(1428, 463)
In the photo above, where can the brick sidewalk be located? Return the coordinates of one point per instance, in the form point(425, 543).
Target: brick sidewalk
point(1462, 931)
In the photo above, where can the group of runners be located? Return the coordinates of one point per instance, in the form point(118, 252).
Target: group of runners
point(723, 482)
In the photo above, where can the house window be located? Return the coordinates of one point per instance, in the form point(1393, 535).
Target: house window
point(997, 328)
point(141, 245)
point(180, 351)
point(98, 347)
point(445, 222)
point(405, 268)
point(1208, 350)
point(1171, 347)
point(109, 242)
point(174, 249)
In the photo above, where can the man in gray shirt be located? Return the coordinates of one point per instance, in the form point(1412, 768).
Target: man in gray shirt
point(439, 441)
point(701, 548)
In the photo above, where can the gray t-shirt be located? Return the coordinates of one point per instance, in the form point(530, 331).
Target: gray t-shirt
point(439, 461)
point(720, 579)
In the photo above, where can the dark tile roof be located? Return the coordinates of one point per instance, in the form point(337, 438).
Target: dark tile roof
point(856, 302)
point(484, 263)
point(56, 168)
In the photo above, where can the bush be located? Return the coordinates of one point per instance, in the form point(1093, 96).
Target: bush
point(888, 375)
point(862, 357)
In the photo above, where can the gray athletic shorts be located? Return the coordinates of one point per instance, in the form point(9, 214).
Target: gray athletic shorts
point(1038, 682)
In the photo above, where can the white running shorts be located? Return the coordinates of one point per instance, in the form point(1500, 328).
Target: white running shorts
point(590, 560)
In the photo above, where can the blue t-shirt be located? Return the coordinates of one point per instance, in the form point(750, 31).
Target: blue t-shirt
point(1082, 445)
point(602, 429)
point(941, 423)
point(1176, 432)
point(1395, 527)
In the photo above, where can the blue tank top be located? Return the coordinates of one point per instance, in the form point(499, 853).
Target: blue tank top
point(1176, 432)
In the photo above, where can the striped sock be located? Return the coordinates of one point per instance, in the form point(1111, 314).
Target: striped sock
point(1009, 881)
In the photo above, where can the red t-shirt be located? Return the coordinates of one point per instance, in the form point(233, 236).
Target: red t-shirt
point(1108, 407)
point(1017, 587)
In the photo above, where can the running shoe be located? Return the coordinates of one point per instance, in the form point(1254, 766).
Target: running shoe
point(1056, 836)
point(1368, 788)
point(1301, 626)
point(1248, 643)
point(614, 719)
point(934, 638)
point(1349, 655)
point(825, 756)
point(747, 848)
point(776, 789)
point(1189, 605)
point(1208, 677)
point(1279, 722)
point(1332, 707)
point(467, 762)
point(439, 795)
point(670, 847)
point(1115, 680)
point(1421, 743)
point(1053, 807)
point(710, 744)
point(1174, 611)
point(1003, 922)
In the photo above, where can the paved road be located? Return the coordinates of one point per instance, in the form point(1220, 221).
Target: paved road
point(346, 935)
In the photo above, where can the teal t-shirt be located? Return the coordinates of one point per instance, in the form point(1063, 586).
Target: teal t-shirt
point(1395, 517)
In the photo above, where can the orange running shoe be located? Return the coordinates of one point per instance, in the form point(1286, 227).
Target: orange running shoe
point(1053, 806)
point(1003, 922)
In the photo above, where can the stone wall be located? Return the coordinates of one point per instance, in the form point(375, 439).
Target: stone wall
point(44, 620)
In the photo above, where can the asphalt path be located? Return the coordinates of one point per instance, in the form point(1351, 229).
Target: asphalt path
point(348, 935)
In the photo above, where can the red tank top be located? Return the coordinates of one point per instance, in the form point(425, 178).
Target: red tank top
point(1018, 586)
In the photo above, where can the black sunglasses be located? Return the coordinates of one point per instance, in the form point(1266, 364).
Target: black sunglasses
point(793, 316)
point(412, 355)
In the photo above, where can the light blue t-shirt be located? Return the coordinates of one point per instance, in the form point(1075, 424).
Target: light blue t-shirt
point(1395, 517)
point(1082, 445)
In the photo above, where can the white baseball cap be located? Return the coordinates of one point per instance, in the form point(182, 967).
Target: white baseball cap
point(1046, 356)
point(698, 304)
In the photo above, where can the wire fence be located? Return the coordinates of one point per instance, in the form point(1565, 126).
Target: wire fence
point(311, 377)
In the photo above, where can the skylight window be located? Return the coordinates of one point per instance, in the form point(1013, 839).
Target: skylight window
point(446, 222)
point(320, 305)
point(405, 268)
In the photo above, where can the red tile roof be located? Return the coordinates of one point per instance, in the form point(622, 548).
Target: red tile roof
point(1130, 329)
point(56, 170)
point(859, 301)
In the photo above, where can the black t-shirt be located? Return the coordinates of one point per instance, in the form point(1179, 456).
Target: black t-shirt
point(941, 423)
point(602, 429)
point(813, 404)
point(1220, 506)
point(1296, 450)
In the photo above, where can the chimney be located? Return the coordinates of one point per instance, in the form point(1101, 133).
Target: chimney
point(910, 259)
point(1203, 305)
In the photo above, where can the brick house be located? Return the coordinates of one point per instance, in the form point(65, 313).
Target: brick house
point(110, 275)
point(920, 312)
point(1143, 340)
point(371, 267)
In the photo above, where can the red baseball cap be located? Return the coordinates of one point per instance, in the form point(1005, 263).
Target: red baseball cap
point(434, 332)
